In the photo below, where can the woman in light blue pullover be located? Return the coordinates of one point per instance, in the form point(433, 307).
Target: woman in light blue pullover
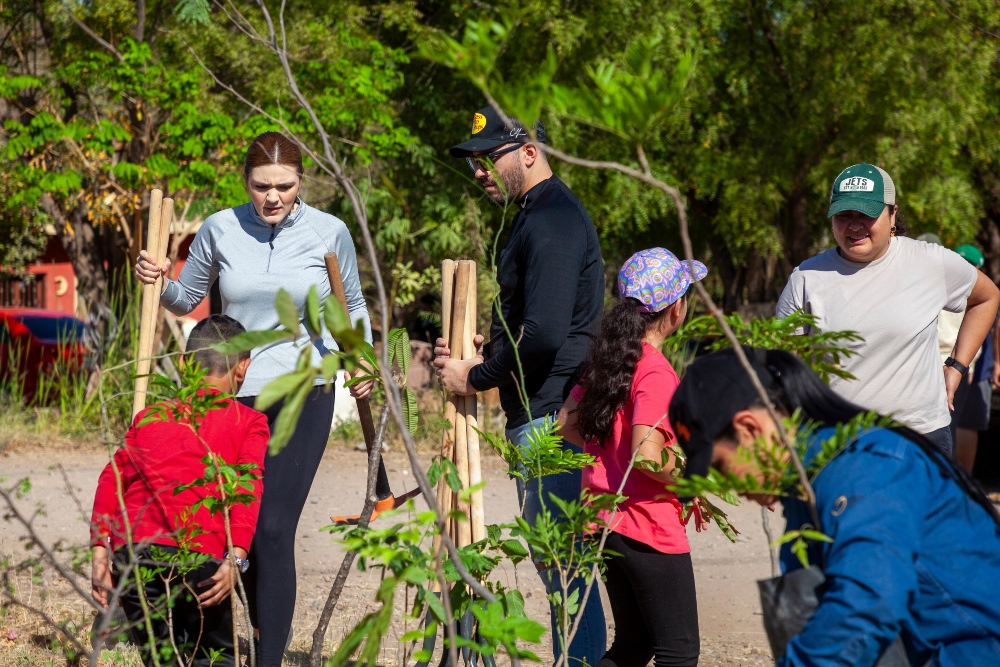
point(276, 241)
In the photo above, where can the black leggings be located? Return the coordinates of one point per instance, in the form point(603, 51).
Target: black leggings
point(653, 601)
point(197, 631)
point(288, 476)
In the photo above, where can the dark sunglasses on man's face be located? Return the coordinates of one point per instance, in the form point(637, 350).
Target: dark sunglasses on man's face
point(486, 162)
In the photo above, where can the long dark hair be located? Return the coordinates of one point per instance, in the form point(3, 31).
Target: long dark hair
point(607, 376)
point(795, 385)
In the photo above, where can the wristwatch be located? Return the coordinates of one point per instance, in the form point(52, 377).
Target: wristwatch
point(951, 362)
point(242, 563)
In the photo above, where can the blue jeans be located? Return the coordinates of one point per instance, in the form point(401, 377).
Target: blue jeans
point(591, 639)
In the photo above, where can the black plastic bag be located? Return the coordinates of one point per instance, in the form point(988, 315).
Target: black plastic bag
point(789, 601)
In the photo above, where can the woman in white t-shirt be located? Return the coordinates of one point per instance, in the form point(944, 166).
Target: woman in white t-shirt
point(890, 290)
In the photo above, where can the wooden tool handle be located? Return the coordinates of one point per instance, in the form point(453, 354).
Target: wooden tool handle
point(336, 280)
point(159, 209)
point(444, 494)
point(337, 289)
point(456, 343)
point(477, 514)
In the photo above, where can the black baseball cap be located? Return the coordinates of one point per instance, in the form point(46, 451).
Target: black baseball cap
point(714, 388)
point(489, 131)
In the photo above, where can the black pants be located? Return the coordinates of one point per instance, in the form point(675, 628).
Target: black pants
point(653, 601)
point(943, 439)
point(201, 631)
point(288, 476)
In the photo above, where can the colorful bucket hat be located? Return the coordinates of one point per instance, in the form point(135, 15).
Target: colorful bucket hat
point(656, 278)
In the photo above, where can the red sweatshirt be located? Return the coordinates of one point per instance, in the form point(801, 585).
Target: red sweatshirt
point(162, 455)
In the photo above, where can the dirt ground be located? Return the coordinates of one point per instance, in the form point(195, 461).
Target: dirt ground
point(729, 611)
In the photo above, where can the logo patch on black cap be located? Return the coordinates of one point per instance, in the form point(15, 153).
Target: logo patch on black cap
point(478, 123)
point(682, 430)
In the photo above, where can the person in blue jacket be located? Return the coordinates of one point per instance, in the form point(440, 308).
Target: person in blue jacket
point(916, 543)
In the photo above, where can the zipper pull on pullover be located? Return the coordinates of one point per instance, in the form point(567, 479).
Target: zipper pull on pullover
point(270, 243)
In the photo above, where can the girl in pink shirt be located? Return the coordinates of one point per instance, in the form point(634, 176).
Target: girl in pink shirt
point(620, 407)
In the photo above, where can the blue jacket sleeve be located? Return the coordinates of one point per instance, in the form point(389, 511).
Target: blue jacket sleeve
point(869, 503)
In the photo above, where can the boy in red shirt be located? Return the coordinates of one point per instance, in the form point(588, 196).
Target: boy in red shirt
point(157, 458)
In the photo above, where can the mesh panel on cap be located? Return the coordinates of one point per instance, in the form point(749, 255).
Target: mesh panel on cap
point(888, 186)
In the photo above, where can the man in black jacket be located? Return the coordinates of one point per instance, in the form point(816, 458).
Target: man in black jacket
point(551, 280)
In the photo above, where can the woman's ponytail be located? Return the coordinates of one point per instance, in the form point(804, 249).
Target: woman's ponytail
point(608, 375)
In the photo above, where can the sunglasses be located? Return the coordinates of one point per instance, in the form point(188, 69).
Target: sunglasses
point(486, 162)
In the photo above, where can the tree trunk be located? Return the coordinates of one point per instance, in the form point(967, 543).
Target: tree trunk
point(799, 243)
point(989, 228)
point(731, 276)
point(83, 245)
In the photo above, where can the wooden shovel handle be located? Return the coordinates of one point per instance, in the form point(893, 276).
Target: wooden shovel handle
point(337, 289)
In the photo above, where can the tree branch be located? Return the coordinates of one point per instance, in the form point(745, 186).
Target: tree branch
point(97, 38)
point(374, 456)
point(28, 525)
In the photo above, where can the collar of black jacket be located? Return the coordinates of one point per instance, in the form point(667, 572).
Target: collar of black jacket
point(531, 195)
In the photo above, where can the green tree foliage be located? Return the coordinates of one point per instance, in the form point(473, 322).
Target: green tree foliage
point(781, 97)
point(107, 99)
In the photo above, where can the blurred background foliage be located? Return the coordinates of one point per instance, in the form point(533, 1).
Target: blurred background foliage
point(105, 99)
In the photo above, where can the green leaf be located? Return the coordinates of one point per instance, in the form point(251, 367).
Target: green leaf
point(785, 539)
point(288, 418)
point(250, 340)
point(337, 320)
point(513, 603)
point(280, 387)
point(514, 549)
point(399, 351)
point(816, 536)
point(312, 312)
point(329, 366)
point(801, 551)
point(412, 636)
point(410, 410)
point(195, 12)
point(288, 313)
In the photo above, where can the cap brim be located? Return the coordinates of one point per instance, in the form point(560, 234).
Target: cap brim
point(700, 270)
point(699, 460)
point(872, 209)
point(474, 145)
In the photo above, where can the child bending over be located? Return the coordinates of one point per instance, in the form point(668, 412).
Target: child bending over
point(158, 457)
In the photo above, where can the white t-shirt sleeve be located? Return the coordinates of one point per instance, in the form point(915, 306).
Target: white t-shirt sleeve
point(791, 298)
point(959, 279)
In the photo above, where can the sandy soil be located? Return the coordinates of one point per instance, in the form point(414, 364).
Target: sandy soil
point(732, 634)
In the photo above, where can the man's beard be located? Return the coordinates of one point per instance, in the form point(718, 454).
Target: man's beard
point(511, 180)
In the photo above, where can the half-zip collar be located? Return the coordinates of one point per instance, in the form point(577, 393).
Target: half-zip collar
point(289, 220)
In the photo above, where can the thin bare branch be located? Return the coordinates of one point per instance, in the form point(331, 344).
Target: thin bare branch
point(97, 38)
point(944, 3)
point(28, 525)
point(374, 456)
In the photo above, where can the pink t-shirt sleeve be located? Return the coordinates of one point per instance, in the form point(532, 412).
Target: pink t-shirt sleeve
point(576, 393)
point(654, 385)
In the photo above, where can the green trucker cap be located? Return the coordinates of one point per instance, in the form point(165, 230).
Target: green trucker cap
point(864, 188)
